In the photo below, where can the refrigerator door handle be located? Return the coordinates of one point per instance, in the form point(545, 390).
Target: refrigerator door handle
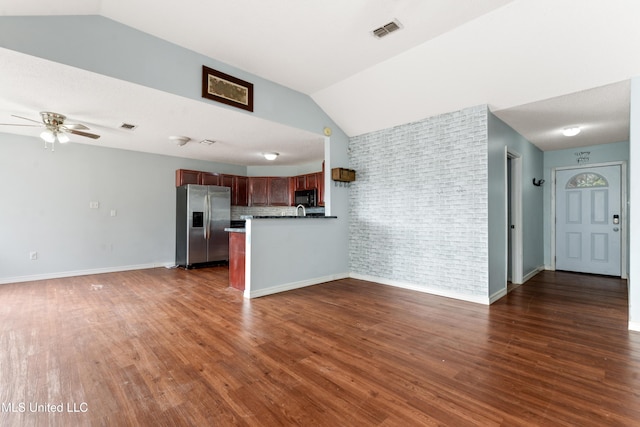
point(205, 229)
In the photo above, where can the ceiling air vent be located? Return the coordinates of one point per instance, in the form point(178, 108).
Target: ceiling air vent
point(387, 29)
point(128, 126)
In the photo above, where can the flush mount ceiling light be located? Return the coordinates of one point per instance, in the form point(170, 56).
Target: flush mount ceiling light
point(270, 156)
point(180, 140)
point(207, 141)
point(571, 131)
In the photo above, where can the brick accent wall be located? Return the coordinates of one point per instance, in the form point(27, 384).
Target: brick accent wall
point(418, 209)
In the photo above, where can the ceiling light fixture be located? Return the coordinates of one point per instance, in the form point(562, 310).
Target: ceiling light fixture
point(180, 140)
point(270, 156)
point(51, 136)
point(571, 131)
point(48, 136)
point(62, 138)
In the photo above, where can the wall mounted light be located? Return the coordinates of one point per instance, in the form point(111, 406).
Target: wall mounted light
point(270, 156)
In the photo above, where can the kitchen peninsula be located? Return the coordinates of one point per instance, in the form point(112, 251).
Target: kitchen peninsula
point(274, 254)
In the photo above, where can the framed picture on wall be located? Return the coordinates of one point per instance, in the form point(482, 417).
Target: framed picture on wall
point(227, 89)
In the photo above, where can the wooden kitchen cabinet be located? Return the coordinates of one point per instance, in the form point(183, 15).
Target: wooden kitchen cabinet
point(185, 176)
point(258, 191)
point(237, 253)
point(311, 180)
point(240, 191)
point(299, 182)
point(279, 194)
point(226, 181)
point(320, 184)
point(208, 178)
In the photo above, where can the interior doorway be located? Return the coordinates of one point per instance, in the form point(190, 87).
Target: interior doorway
point(514, 243)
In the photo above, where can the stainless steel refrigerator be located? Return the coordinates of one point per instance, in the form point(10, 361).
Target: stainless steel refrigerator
point(202, 214)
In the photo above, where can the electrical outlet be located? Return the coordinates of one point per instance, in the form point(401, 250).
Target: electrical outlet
point(33, 256)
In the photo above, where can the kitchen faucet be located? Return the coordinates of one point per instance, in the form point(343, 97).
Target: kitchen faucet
point(304, 211)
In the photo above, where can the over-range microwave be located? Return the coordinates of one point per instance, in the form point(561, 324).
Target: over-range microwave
point(307, 198)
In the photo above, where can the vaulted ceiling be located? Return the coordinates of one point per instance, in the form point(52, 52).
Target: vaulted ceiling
point(540, 65)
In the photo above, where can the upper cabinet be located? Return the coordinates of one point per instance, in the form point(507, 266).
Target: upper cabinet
point(185, 176)
point(279, 194)
point(269, 191)
point(256, 191)
point(240, 191)
point(207, 178)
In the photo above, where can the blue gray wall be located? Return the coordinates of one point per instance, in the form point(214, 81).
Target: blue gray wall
point(501, 136)
point(142, 232)
point(418, 208)
point(46, 199)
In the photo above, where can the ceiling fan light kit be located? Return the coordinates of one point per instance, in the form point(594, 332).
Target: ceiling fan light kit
point(56, 129)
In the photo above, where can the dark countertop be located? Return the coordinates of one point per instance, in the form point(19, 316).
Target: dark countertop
point(235, 230)
point(285, 217)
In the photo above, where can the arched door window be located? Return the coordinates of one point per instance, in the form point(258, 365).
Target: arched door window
point(587, 180)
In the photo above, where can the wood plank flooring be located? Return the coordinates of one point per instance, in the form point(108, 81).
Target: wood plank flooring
point(180, 348)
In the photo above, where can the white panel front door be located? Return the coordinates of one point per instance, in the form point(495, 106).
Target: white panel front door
point(588, 222)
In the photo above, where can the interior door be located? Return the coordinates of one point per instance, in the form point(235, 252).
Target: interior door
point(588, 223)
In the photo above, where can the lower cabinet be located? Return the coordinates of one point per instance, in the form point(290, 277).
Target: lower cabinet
point(236, 260)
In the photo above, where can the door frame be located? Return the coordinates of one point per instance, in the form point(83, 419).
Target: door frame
point(623, 210)
point(516, 216)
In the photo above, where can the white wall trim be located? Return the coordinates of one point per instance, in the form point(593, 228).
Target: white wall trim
point(516, 216)
point(634, 326)
point(294, 285)
point(497, 295)
point(478, 299)
point(62, 274)
point(534, 272)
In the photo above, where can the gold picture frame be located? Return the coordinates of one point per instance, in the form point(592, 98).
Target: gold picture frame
point(227, 89)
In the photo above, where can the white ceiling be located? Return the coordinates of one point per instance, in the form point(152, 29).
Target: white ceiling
point(540, 65)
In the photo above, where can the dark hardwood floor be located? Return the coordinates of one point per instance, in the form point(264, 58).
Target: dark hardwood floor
point(172, 347)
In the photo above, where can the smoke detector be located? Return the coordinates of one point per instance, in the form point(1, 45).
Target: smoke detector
point(387, 29)
point(180, 140)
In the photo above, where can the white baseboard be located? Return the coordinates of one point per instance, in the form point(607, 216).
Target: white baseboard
point(533, 273)
point(478, 299)
point(293, 285)
point(634, 326)
point(74, 273)
point(497, 295)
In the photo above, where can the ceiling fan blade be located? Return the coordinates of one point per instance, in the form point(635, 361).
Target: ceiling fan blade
point(15, 124)
point(26, 118)
point(76, 126)
point(77, 132)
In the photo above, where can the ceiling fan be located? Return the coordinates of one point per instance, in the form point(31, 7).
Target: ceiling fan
point(56, 129)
